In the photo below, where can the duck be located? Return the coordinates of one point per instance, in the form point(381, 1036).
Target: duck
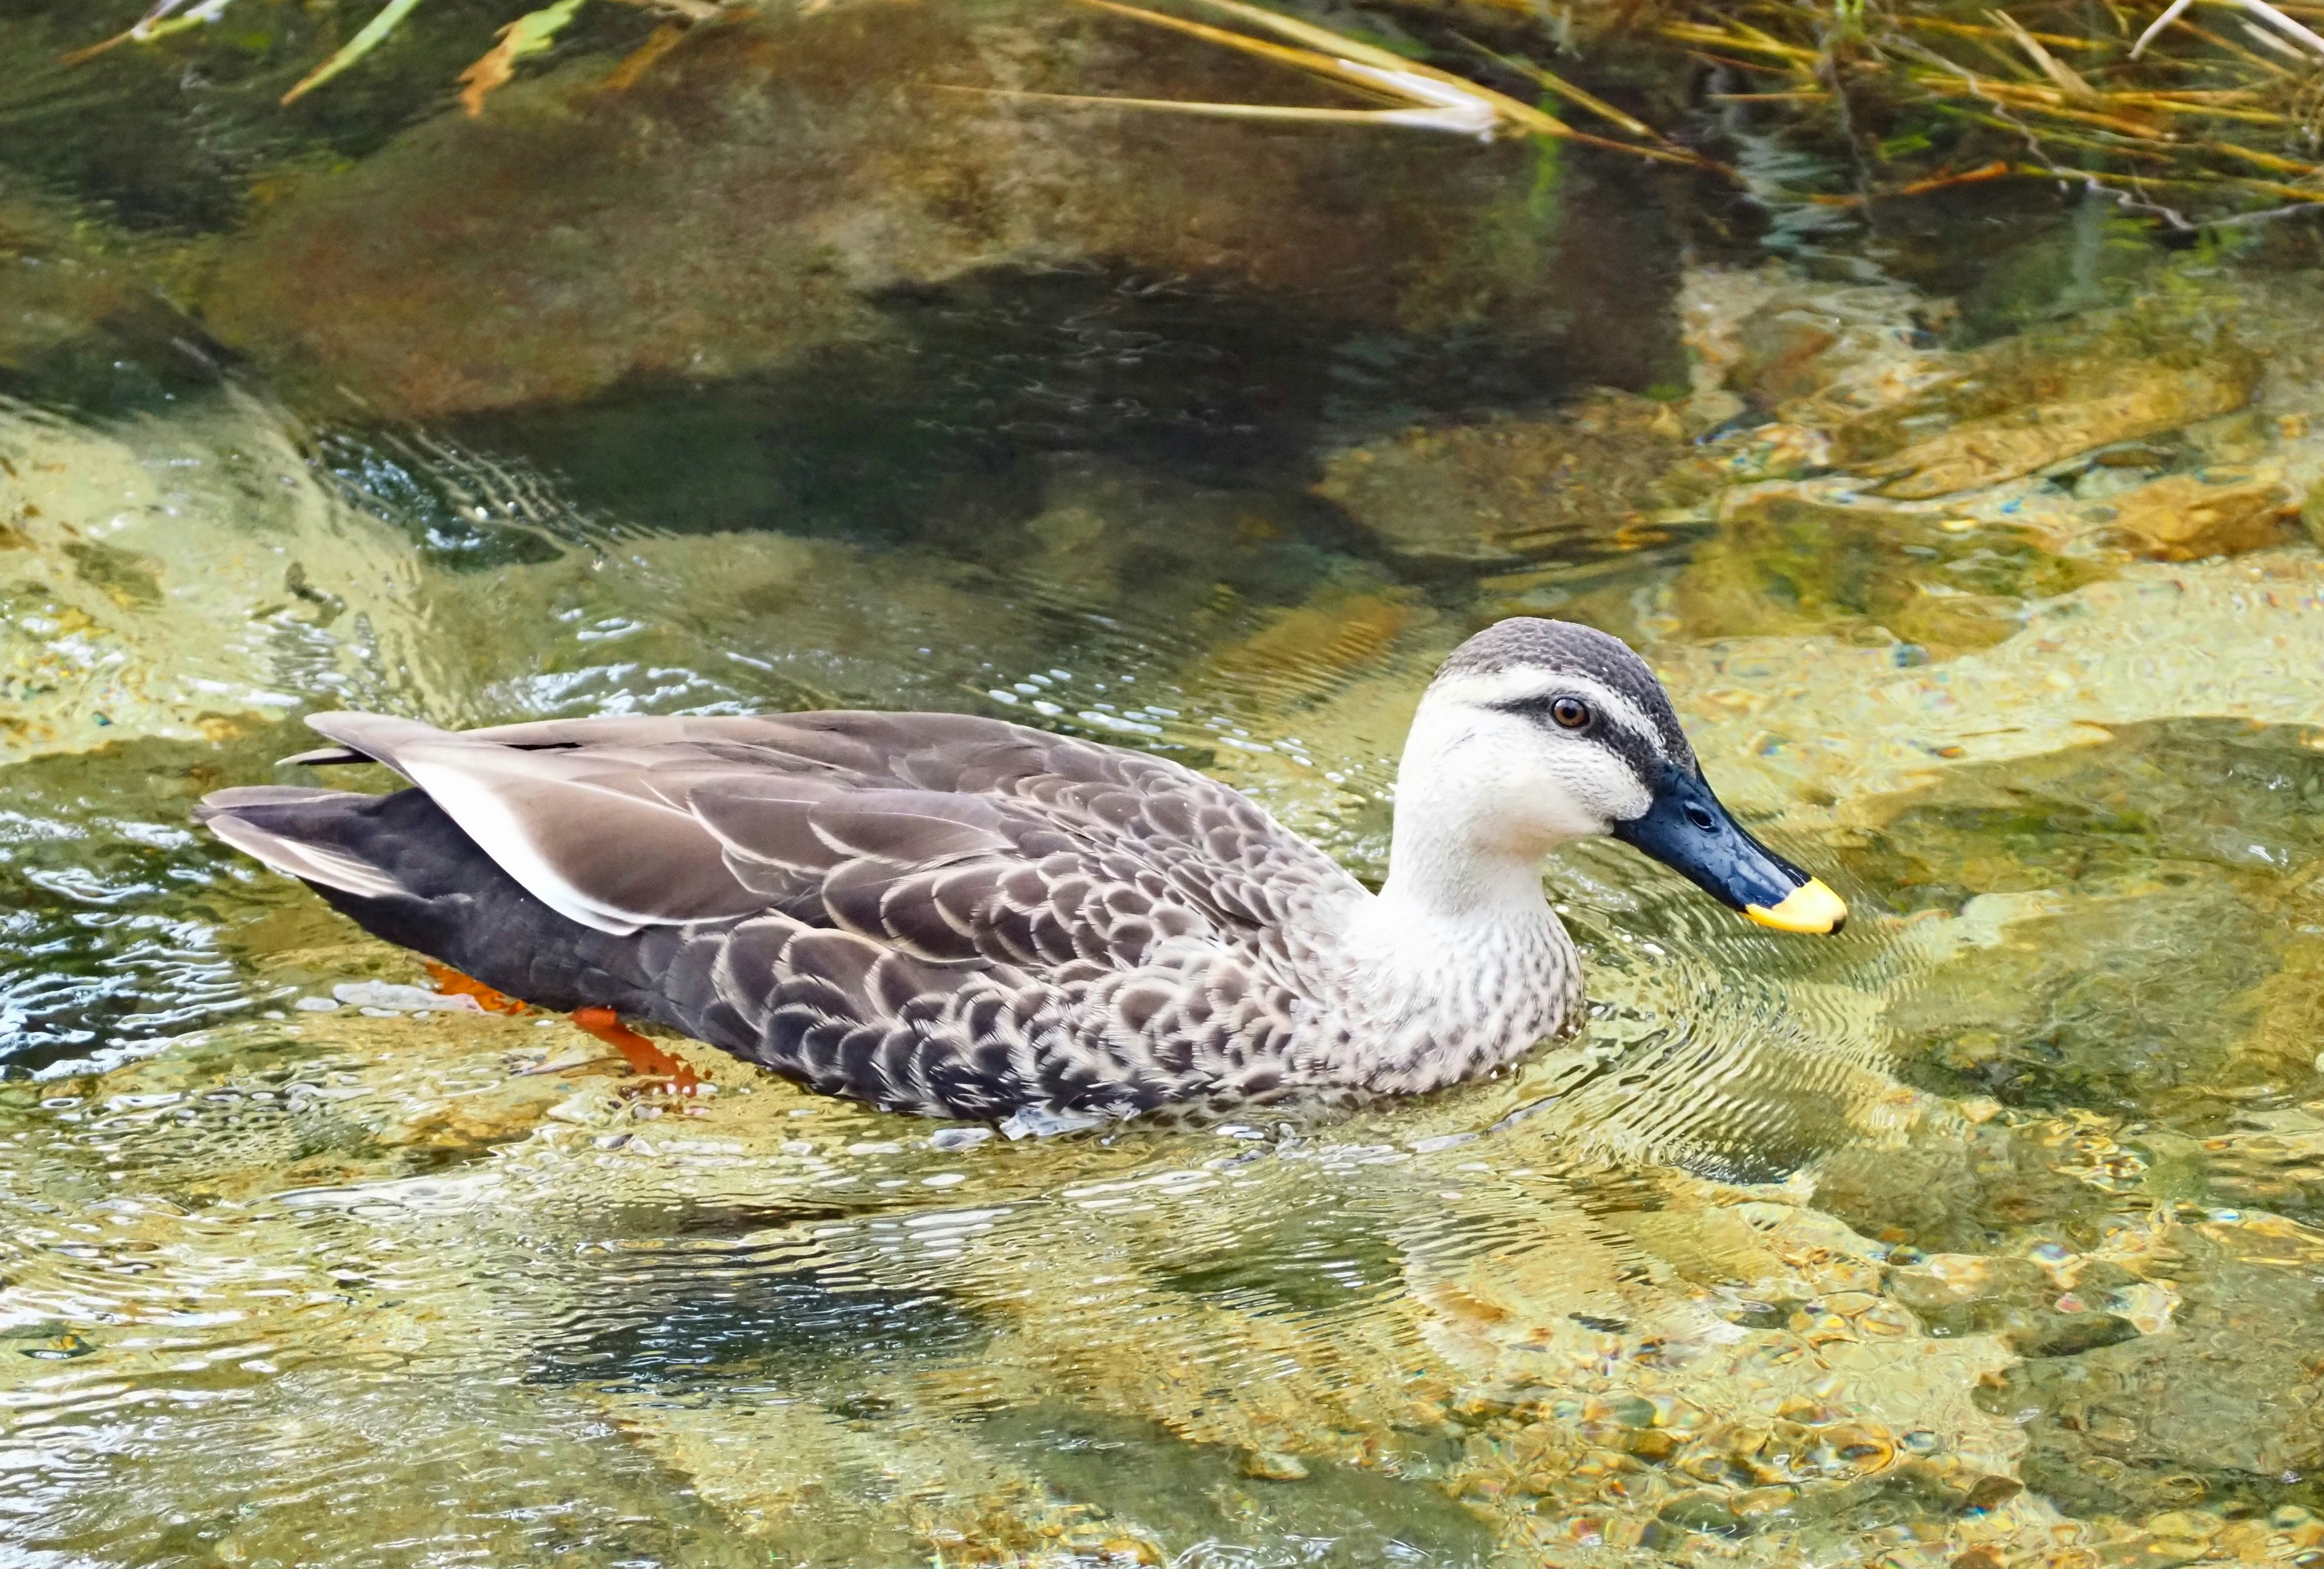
point(955, 916)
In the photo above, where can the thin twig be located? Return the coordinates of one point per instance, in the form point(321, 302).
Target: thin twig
point(1998, 168)
point(2282, 24)
point(2178, 8)
point(2230, 46)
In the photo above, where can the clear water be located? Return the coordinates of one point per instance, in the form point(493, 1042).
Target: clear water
point(1991, 1232)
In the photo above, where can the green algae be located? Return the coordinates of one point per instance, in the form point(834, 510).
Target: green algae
point(1789, 565)
point(2172, 840)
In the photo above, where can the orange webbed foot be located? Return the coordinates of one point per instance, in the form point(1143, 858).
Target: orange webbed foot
point(452, 984)
point(643, 1054)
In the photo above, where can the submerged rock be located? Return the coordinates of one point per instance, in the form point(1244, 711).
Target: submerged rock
point(2100, 256)
point(2028, 402)
point(1769, 340)
point(1590, 479)
point(756, 195)
point(2185, 517)
point(81, 321)
point(2229, 1408)
point(2161, 880)
point(1819, 728)
point(188, 580)
point(1855, 379)
point(1797, 563)
point(1705, 1366)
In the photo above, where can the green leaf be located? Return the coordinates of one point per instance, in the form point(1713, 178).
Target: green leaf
point(354, 49)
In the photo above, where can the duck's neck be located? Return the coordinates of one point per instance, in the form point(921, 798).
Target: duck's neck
point(1439, 871)
point(1458, 964)
point(1461, 852)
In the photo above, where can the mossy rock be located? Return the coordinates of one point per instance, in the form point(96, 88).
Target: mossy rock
point(2023, 403)
point(2160, 970)
point(768, 190)
point(1786, 565)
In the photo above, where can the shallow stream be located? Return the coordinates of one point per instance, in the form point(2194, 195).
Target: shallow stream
point(742, 369)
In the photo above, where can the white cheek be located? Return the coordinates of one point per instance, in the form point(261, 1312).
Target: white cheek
point(1596, 783)
point(1530, 789)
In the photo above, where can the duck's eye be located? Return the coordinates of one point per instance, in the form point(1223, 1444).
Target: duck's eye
point(1571, 713)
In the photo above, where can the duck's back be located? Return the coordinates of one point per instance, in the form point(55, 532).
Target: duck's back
point(935, 913)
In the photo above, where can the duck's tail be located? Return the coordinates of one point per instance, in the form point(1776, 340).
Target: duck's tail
point(304, 833)
point(327, 838)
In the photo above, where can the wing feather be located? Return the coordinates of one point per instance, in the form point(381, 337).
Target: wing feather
point(919, 908)
point(567, 829)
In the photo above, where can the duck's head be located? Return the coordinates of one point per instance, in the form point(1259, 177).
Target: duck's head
point(1537, 732)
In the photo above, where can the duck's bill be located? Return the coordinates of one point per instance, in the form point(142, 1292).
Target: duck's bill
point(1687, 830)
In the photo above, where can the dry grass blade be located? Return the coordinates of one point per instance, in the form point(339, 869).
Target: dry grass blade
point(2227, 119)
point(2199, 111)
point(1728, 61)
point(2284, 24)
point(2269, 40)
point(1970, 29)
point(1305, 59)
point(2056, 69)
point(1416, 119)
point(1523, 115)
point(2259, 160)
point(77, 56)
point(2041, 99)
point(1568, 91)
point(1308, 34)
point(1694, 32)
point(2228, 46)
point(2137, 130)
point(1997, 170)
point(1426, 98)
point(158, 23)
point(2305, 194)
point(2157, 156)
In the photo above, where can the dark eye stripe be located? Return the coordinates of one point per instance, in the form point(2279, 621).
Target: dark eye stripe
point(1642, 754)
point(1539, 705)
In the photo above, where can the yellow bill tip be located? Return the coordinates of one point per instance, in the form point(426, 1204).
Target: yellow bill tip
point(1810, 908)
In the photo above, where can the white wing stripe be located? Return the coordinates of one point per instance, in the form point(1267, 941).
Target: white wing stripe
point(445, 772)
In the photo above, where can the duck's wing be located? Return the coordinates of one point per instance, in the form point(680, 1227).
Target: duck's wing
point(952, 838)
